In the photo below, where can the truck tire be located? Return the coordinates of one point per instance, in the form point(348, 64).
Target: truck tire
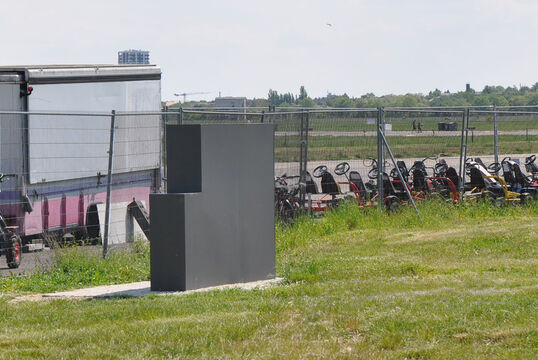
point(14, 252)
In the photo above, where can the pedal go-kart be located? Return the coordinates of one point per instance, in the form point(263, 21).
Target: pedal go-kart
point(10, 243)
point(484, 185)
point(422, 186)
point(364, 194)
point(532, 168)
point(286, 201)
point(331, 193)
point(516, 180)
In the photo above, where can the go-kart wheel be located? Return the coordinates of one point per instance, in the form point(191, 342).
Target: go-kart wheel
point(320, 170)
point(391, 204)
point(524, 197)
point(341, 168)
point(372, 174)
point(14, 252)
point(494, 167)
point(530, 160)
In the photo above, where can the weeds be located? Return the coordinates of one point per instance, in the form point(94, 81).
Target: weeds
point(75, 267)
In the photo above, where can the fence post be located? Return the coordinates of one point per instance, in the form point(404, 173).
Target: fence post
point(462, 144)
point(303, 156)
point(261, 119)
point(463, 155)
point(163, 151)
point(496, 138)
point(400, 176)
point(109, 183)
point(180, 122)
point(306, 142)
point(380, 160)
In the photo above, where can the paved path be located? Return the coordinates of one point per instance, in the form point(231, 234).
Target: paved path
point(43, 260)
point(358, 165)
point(32, 261)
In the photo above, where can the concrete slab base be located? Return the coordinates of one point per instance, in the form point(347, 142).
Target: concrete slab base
point(138, 289)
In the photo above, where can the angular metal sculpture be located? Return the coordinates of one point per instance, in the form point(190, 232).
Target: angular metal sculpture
point(216, 224)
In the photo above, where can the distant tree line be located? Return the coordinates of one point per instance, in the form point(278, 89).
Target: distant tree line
point(289, 99)
point(490, 95)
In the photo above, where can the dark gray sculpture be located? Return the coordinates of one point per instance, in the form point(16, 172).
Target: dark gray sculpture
point(216, 224)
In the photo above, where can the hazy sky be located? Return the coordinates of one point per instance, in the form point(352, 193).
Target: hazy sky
point(245, 47)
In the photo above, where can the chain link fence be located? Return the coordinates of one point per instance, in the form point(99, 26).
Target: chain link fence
point(69, 177)
point(74, 176)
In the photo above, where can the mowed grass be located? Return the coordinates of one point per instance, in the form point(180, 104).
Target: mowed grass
point(287, 149)
point(358, 284)
point(353, 121)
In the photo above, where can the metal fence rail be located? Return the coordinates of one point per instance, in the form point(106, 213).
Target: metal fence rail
point(308, 138)
point(64, 170)
point(70, 175)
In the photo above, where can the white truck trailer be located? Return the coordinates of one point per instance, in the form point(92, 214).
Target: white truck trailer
point(55, 153)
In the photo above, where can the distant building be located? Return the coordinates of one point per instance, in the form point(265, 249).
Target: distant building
point(228, 103)
point(133, 57)
point(231, 102)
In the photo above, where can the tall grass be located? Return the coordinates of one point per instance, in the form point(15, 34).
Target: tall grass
point(434, 214)
point(76, 267)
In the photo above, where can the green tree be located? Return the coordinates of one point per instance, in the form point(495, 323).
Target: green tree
point(342, 101)
point(302, 93)
point(273, 97)
point(306, 102)
point(533, 99)
point(409, 101)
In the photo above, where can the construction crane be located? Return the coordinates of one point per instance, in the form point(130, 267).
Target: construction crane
point(192, 93)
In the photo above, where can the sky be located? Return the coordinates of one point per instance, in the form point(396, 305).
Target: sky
point(246, 47)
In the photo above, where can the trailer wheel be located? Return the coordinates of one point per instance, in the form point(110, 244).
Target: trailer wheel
point(14, 252)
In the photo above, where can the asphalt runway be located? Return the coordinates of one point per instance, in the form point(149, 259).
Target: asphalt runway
point(358, 165)
point(43, 259)
point(39, 260)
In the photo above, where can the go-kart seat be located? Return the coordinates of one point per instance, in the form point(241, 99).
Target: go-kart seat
point(403, 169)
point(477, 180)
point(520, 178)
point(311, 186)
point(507, 174)
point(390, 190)
point(453, 175)
point(532, 167)
point(480, 162)
point(419, 165)
point(356, 179)
point(419, 180)
point(329, 185)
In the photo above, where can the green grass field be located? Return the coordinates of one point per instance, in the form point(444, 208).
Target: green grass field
point(359, 121)
point(401, 122)
point(347, 147)
point(358, 285)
